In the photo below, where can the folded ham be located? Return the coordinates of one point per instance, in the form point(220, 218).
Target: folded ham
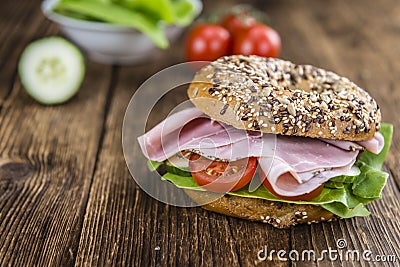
point(294, 165)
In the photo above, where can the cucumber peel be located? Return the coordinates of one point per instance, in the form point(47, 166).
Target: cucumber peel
point(51, 70)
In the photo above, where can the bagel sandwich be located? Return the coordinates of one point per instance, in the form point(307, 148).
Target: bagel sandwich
point(272, 141)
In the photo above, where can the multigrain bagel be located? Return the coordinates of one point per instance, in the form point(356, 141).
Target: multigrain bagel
point(276, 96)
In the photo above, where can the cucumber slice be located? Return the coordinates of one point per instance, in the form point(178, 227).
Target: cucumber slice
point(51, 70)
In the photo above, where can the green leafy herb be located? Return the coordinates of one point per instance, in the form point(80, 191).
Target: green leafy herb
point(182, 181)
point(147, 16)
point(333, 184)
point(344, 212)
point(370, 183)
point(343, 179)
point(175, 170)
point(376, 161)
point(153, 165)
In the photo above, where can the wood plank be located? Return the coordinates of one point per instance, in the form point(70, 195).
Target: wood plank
point(47, 157)
point(110, 217)
point(149, 232)
point(42, 211)
point(306, 24)
point(14, 17)
point(377, 233)
point(133, 231)
point(47, 193)
point(196, 237)
point(24, 22)
point(381, 34)
point(353, 53)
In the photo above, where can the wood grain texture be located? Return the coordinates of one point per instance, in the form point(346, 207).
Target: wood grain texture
point(47, 154)
point(66, 195)
point(18, 26)
point(356, 41)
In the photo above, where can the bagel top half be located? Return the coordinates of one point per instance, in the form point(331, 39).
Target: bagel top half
point(276, 96)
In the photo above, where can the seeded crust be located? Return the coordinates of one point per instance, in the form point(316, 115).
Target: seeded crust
point(276, 96)
point(279, 214)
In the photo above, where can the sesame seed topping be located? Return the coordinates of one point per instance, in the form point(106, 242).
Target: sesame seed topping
point(304, 98)
point(223, 110)
point(195, 91)
point(291, 109)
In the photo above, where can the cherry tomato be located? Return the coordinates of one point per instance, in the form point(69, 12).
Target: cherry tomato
point(236, 23)
point(207, 42)
point(217, 176)
point(305, 197)
point(258, 40)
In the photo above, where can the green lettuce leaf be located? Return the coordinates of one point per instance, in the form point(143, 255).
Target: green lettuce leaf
point(179, 12)
point(376, 161)
point(184, 12)
point(344, 212)
point(157, 9)
point(184, 182)
point(345, 197)
point(153, 165)
point(370, 183)
point(372, 180)
point(116, 14)
point(339, 201)
point(147, 16)
point(333, 184)
point(343, 179)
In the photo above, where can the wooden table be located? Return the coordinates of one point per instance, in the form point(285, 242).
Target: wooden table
point(67, 198)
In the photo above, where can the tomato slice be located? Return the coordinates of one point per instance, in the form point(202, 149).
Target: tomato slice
point(217, 176)
point(305, 197)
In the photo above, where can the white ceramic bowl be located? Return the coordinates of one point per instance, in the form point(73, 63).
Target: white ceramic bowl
point(107, 43)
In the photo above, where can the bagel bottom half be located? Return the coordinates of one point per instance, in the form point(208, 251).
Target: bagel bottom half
point(279, 214)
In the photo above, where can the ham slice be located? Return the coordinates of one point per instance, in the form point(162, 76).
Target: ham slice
point(294, 165)
point(152, 144)
point(346, 145)
point(374, 145)
point(302, 154)
point(288, 181)
point(189, 129)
